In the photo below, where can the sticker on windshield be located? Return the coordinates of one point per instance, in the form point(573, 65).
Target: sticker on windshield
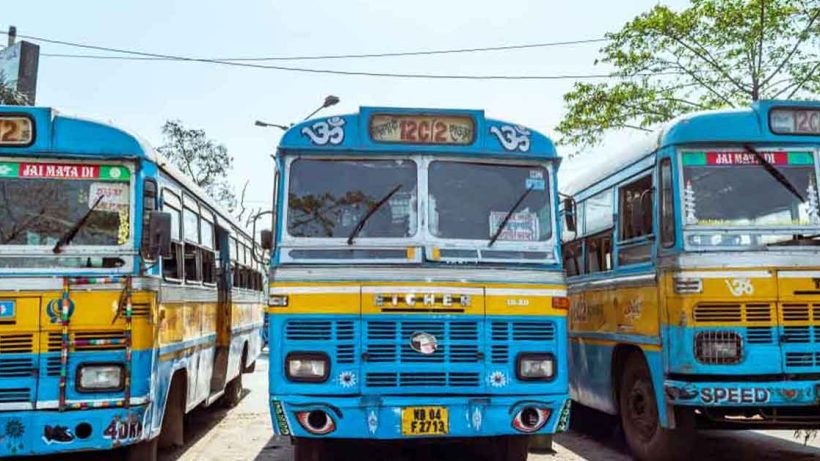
point(521, 227)
point(534, 184)
point(115, 196)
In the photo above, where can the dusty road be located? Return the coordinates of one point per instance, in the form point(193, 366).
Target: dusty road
point(244, 433)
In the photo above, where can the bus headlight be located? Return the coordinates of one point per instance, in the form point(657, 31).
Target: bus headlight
point(535, 366)
point(100, 377)
point(718, 347)
point(310, 367)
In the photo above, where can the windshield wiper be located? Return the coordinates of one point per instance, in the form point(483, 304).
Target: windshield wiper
point(72, 232)
point(370, 212)
point(775, 173)
point(509, 215)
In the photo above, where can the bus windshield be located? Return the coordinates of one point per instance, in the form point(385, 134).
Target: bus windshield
point(331, 198)
point(726, 189)
point(39, 211)
point(469, 201)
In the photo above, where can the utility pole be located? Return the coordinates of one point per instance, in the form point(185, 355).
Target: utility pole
point(12, 35)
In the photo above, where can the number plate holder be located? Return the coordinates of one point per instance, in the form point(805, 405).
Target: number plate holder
point(425, 421)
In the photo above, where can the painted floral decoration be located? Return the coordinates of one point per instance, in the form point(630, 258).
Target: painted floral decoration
point(498, 379)
point(347, 379)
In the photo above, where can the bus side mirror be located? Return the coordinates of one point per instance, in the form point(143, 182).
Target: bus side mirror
point(569, 214)
point(266, 239)
point(159, 234)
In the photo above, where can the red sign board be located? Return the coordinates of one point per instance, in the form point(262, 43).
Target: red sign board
point(58, 170)
point(422, 129)
point(745, 158)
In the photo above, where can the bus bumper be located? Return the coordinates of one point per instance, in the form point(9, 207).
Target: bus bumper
point(739, 394)
point(381, 417)
point(42, 432)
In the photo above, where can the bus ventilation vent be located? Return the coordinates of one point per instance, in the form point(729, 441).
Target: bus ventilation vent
point(89, 341)
point(309, 330)
point(802, 359)
point(714, 312)
point(15, 395)
point(16, 343)
point(758, 312)
point(16, 368)
point(140, 310)
point(759, 335)
point(795, 313)
point(422, 379)
point(796, 334)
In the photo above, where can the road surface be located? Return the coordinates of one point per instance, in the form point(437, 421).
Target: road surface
point(244, 433)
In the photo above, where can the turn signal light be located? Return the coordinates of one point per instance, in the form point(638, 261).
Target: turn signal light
point(560, 302)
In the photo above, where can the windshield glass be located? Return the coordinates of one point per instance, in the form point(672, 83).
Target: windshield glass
point(470, 200)
point(329, 198)
point(40, 202)
point(733, 189)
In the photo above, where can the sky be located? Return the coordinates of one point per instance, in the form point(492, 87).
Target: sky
point(225, 101)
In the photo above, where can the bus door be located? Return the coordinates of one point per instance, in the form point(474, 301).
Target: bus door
point(19, 360)
point(223, 311)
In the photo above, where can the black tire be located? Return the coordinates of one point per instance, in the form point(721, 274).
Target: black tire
point(647, 440)
point(143, 451)
point(233, 393)
point(172, 433)
point(512, 448)
point(311, 450)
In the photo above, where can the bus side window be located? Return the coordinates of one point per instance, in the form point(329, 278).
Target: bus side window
point(667, 211)
point(172, 266)
point(193, 258)
point(207, 250)
point(573, 258)
point(599, 252)
point(635, 221)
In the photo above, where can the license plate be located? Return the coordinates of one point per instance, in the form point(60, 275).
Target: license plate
point(424, 421)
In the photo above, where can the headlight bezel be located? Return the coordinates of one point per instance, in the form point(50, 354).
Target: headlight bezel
point(536, 356)
point(85, 367)
point(318, 356)
point(713, 337)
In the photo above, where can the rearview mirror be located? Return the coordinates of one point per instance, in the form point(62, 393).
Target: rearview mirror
point(266, 239)
point(159, 234)
point(569, 214)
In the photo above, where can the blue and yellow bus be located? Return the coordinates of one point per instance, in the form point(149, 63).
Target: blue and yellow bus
point(127, 297)
point(416, 288)
point(693, 263)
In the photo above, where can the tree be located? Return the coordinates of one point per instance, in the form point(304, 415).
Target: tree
point(9, 94)
point(203, 160)
point(714, 54)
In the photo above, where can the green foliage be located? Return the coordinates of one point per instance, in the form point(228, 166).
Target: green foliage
point(203, 160)
point(9, 94)
point(714, 54)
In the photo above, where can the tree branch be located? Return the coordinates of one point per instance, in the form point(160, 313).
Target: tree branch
point(793, 50)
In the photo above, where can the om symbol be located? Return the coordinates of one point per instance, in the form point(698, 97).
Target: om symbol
point(327, 131)
point(740, 287)
point(512, 137)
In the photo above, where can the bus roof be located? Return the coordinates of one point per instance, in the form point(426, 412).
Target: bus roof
point(749, 125)
point(382, 130)
point(76, 137)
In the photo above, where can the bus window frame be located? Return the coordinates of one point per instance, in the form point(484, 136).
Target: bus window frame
point(640, 241)
point(670, 216)
point(172, 200)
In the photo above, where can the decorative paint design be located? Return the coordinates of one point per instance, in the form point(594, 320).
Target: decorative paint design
point(347, 379)
point(512, 137)
point(57, 434)
point(423, 343)
point(689, 203)
point(330, 131)
point(563, 419)
point(497, 379)
point(633, 309)
point(281, 418)
point(7, 310)
point(12, 435)
point(812, 202)
point(477, 418)
point(124, 429)
point(53, 309)
point(372, 421)
point(740, 287)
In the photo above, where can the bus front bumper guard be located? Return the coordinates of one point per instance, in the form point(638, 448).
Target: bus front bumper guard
point(740, 393)
point(381, 417)
point(42, 432)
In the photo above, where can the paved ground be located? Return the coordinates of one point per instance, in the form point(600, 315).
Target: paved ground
point(244, 433)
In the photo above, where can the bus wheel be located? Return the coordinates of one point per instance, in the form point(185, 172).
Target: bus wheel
point(172, 433)
point(143, 451)
point(233, 392)
point(512, 448)
point(310, 450)
point(639, 417)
